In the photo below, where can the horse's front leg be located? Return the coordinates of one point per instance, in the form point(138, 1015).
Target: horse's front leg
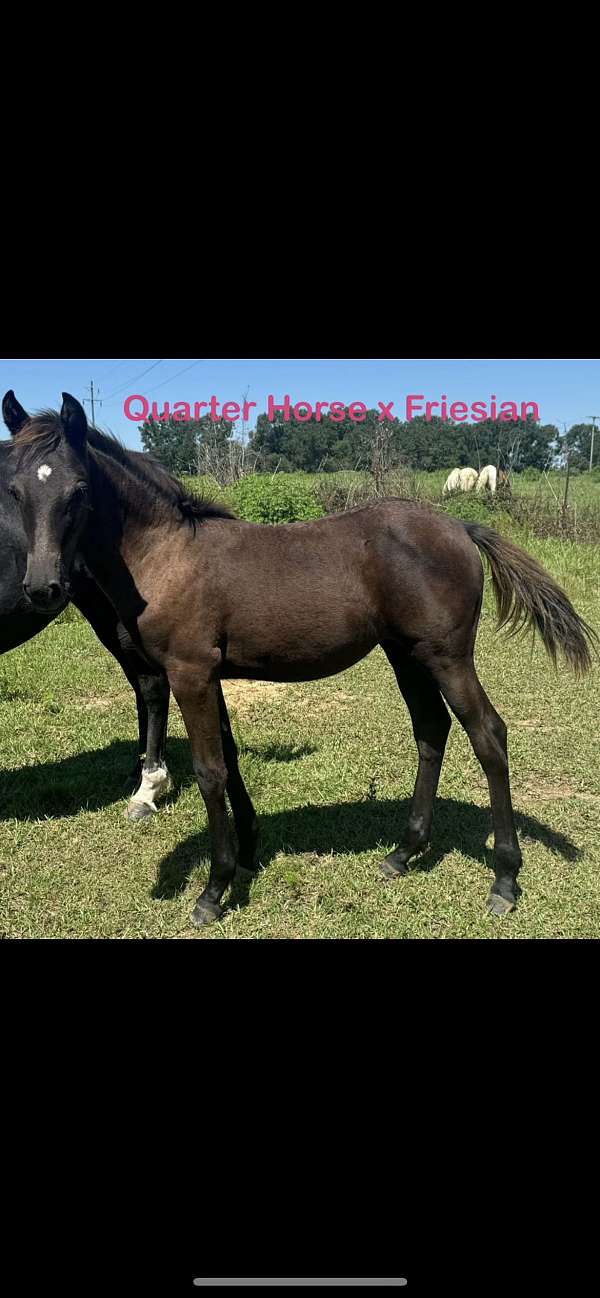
point(153, 778)
point(133, 780)
point(197, 694)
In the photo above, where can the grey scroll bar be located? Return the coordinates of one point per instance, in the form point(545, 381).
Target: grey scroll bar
point(400, 1280)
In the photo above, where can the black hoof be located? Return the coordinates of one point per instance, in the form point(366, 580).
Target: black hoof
point(138, 811)
point(499, 905)
point(393, 866)
point(205, 913)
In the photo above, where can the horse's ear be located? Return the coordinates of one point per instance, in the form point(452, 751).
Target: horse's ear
point(13, 413)
point(74, 422)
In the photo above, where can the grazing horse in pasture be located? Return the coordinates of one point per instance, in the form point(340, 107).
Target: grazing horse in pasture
point(492, 479)
point(460, 480)
point(205, 597)
point(20, 620)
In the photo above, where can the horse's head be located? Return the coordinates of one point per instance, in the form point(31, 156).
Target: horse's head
point(50, 485)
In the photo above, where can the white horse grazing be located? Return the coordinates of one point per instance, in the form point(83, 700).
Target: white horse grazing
point(488, 478)
point(460, 480)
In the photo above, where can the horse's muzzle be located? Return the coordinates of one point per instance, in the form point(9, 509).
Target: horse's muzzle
point(46, 599)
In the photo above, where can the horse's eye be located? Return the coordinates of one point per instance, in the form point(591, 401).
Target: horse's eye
point(14, 491)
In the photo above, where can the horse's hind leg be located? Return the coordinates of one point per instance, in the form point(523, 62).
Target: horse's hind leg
point(464, 692)
point(244, 814)
point(154, 778)
point(431, 725)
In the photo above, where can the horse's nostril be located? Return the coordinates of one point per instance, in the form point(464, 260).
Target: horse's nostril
point(46, 597)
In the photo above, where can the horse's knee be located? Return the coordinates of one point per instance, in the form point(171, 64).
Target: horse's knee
point(211, 779)
point(154, 689)
point(431, 753)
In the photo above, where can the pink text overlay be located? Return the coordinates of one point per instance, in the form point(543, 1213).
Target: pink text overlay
point(138, 409)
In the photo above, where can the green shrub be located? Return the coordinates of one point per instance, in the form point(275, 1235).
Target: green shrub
point(529, 475)
point(281, 499)
point(471, 508)
point(202, 485)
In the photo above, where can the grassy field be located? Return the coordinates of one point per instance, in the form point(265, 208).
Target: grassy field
point(330, 767)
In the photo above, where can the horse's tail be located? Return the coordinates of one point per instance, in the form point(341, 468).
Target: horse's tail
point(526, 595)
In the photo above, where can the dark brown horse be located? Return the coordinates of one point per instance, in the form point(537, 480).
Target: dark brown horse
point(205, 596)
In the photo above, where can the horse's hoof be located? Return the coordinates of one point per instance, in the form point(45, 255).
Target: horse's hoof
point(393, 866)
point(499, 905)
point(138, 811)
point(205, 913)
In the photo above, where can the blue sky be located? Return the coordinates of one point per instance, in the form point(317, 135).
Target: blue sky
point(566, 391)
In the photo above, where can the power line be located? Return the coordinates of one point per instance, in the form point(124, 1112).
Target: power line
point(113, 368)
point(133, 380)
point(175, 376)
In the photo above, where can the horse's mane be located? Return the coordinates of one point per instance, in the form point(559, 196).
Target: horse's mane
point(43, 433)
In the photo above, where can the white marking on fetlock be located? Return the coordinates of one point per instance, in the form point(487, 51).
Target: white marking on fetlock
point(44, 472)
point(154, 784)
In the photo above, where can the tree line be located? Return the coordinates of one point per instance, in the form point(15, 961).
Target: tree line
point(200, 446)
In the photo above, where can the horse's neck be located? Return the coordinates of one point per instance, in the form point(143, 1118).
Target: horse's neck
point(109, 543)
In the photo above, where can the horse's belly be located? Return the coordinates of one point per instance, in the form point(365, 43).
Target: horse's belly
point(287, 658)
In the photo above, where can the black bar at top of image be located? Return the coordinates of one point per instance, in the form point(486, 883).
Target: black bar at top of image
point(205, 1283)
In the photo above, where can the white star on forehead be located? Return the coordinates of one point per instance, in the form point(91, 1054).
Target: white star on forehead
point(44, 472)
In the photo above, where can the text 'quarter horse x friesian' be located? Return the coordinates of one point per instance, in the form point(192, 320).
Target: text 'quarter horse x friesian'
point(206, 596)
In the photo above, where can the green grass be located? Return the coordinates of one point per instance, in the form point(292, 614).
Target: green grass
point(330, 767)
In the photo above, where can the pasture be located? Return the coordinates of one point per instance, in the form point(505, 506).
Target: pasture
point(330, 767)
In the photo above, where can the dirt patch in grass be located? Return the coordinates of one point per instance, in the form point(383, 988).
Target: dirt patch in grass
point(103, 703)
point(533, 724)
point(327, 701)
point(243, 694)
point(549, 792)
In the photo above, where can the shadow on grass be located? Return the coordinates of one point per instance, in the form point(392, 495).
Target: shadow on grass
point(84, 782)
point(353, 827)
point(91, 780)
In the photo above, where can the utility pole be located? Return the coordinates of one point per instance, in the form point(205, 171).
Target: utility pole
point(244, 400)
point(566, 497)
point(593, 419)
point(92, 399)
